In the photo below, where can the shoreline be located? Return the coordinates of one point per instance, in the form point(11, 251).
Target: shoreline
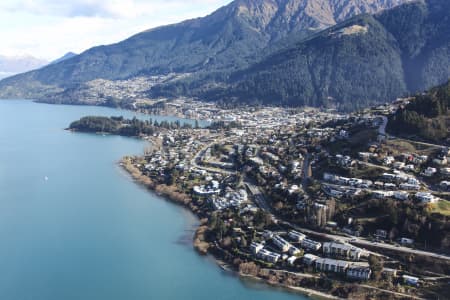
point(201, 246)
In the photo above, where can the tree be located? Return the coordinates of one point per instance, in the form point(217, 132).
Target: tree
point(243, 242)
point(376, 265)
point(262, 219)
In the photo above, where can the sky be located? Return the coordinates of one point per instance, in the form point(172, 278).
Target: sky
point(48, 29)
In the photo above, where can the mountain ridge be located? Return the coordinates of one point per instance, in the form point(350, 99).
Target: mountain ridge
point(228, 40)
point(339, 66)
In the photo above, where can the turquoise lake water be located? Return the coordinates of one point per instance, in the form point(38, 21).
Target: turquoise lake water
point(88, 232)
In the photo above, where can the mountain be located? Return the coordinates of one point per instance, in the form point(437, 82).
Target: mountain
point(359, 62)
point(427, 116)
point(11, 65)
point(227, 40)
point(64, 57)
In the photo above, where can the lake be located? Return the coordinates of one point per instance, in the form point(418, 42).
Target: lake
point(74, 226)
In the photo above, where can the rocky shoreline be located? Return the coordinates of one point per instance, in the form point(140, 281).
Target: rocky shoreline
point(199, 243)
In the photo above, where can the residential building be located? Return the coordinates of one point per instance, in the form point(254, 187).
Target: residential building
point(381, 234)
point(296, 236)
point(281, 243)
point(445, 171)
point(269, 256)
point(401, 195)
point(425, 197)
point(206, 190)
point(390, 272)
point(256, 247)
point(342, 250)
point(445, 185)
point(291, 260)
point(309, 259)
point(294, 251)
point(382, 194)
point(440, 161)
point(409, 187)
point(406, 241)
point(398, 165)
point(331, 265)
point(429, 171)
point(267, 234)
point(359, 272)
point(410, 280)
point(310, 244)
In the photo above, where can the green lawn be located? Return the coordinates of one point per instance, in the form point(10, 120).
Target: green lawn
point(442, 207)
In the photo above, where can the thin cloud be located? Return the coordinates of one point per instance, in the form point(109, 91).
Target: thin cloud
point(101, 8)
point(51, 28)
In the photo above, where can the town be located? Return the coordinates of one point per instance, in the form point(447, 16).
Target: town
point(304, 197)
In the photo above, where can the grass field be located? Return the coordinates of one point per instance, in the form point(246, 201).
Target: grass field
point(442, 207)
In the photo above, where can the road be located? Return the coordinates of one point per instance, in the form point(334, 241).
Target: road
point(362, 242)
point(382, 128)
point(200, 153)
point(305, 175)
point(404, 296)
point(258, 196)
point(261, 202)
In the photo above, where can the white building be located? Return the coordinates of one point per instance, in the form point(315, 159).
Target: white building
point(343, 250)
point(445, 171)
point(309, 259)
point(331, 265)
point(205, 191)
point(425, 197)
point(445, 185)
point(409, 187)
point(310, 244)
point(267, 234)
point(440, 161)
point(294, 251)
point(382, 194)
point(429, 171)
point(296, 236)
point(398, 165)
point(269, 256)
point(359, 272)
point(410, 280)
point(406, 241)
point(256, 247)
point(291, 260)
point(281, 243)
point(401, 195)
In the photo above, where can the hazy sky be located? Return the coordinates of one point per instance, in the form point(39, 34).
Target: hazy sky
point(50, 28)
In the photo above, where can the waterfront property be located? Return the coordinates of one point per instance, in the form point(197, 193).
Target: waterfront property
point(342, 250)
point(359, 272)
point(255, 247)
point(309, 259)
point(269, 256)
point(310, 244)
point(296, 236)
point(281, 243)
point(331, 265)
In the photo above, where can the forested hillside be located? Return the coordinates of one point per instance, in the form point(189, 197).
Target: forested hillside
point(360, 62)
point(427, 116)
